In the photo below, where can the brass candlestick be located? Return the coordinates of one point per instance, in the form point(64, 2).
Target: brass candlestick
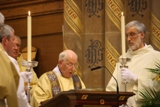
point(29, 65)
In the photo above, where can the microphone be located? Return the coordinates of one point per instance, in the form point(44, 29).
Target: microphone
point(117, 87)
point(98, 67)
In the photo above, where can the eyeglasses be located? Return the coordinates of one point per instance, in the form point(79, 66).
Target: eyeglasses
point(132, 34)
point(71, 65)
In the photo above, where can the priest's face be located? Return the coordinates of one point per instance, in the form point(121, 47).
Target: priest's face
point(8, 43)
point(134, 38)
point(67, 67)
point(16, 48)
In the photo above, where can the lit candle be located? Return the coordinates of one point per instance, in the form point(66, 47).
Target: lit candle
point(29, 39)
point(123, 39)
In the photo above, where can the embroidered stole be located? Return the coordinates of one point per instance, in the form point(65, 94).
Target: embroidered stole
point(76, 81)
point(56, 89)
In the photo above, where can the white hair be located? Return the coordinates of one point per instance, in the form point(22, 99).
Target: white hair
point(139, 26)
point(65, 54)
point(1, 19)
point(6, 30)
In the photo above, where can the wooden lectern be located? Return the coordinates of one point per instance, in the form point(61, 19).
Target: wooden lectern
point(78, 98)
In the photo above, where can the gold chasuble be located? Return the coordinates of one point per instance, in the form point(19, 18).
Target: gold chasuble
point(52, 83)
point(9, 81)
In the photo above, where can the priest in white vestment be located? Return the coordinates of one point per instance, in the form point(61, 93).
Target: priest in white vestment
point(141, 56)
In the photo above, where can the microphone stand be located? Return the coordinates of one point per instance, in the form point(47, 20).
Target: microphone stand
point(117, 87)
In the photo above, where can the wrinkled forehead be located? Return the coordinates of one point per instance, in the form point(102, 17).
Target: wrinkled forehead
point(72, 59)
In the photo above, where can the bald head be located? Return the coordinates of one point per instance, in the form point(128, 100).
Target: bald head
point(67, 54)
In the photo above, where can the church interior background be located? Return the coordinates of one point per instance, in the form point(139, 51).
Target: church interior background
point(92, 28)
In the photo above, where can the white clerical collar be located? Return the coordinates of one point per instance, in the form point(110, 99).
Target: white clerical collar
point(145, 45)
point(56, 70)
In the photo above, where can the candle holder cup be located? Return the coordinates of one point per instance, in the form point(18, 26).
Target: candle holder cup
point(123, 62)
point(29, 65)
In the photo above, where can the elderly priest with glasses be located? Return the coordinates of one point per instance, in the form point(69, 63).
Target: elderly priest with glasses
point(62, 78)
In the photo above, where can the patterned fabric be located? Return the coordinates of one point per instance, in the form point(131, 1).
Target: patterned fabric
point(54, 81)
point(77, 83)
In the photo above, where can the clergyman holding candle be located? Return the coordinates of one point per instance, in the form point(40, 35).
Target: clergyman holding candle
point(142, 56)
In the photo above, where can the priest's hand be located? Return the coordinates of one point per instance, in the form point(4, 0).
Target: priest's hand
point(127, 75)
point(26, 76)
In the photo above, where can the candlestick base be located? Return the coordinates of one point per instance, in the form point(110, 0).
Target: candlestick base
point(29, 65)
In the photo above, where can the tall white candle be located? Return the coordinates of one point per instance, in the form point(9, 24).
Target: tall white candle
point(29, 39)
point(123, 39)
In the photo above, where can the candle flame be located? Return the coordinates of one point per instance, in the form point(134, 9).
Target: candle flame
point(122, 13)
point(29, 13)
